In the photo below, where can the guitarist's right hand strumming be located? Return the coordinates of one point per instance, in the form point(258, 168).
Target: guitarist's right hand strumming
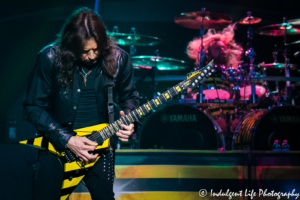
point(81, 146)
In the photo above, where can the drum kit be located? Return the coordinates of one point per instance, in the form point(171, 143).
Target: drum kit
point(233, 93)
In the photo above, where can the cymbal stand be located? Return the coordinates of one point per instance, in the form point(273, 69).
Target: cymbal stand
point(201, 51)
point(200, 58)
point(250, 54)
point(154, 74)
point(287, 61)
point(132, 47)
point(275, 54)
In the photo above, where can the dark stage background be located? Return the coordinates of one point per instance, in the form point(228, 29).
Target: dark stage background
point(27, 26)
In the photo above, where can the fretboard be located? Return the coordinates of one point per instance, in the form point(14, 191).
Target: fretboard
point(148, 107)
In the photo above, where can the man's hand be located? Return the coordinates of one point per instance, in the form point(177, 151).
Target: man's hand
point(124, 134)
point(81, 147)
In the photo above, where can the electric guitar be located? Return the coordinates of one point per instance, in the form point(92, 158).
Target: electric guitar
point(74, 169)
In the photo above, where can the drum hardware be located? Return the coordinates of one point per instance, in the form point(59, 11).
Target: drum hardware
point(153, 73)
point(161, 63)
point(132, 47)
point(201, 53)
point(253, 78)
point(208, 19)
point(279, 29)
point(292, 43)
point(127, 39)
point(251, 55)
point(250, 20)
point(291, 27)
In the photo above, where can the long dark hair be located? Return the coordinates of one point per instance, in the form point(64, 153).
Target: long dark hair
point(82, 25)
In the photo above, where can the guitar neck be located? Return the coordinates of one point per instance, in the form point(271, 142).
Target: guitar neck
point(135, 115)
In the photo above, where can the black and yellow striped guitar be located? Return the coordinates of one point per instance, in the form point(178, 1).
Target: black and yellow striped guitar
point(75, 170)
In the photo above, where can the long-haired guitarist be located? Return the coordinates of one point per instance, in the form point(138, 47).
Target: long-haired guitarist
point(66, 91)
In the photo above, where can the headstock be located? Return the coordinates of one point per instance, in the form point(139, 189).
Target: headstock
point(196, 77)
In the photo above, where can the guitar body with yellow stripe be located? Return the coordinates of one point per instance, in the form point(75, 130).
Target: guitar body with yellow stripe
point(75, 170)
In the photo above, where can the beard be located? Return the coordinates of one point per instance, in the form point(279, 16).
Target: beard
point(88, 64)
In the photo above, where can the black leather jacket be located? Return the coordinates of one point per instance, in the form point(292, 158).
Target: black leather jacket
point(52, 108)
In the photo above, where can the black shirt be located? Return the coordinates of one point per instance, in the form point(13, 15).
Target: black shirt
point(87, 112)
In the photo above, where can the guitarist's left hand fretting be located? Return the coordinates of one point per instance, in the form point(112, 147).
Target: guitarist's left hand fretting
point(124, 134)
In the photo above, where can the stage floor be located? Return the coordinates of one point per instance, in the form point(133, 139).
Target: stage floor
point(176, 174)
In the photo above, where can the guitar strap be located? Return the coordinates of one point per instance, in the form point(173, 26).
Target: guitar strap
point(110, 107)
point(110, 103)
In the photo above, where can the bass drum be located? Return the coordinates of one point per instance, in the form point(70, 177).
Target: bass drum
point(181, 127)
point(258, 130)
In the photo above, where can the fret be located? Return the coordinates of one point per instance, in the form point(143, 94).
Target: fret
point(143, 111)
point(114, 125)
point(154, 103)
point(148, 105)
point(127, 119)
point(162, 99)
point(107, 131)
point(111, 129)
point(101, 133)
point(138, 113)
point(146, 108)
point(135, 116)
point(169, 94)
point(163, 95)
point(159, 100)
point(130, 118)
point(174, 90)
point(105, 134)
point(122, 120)
point(119, 122)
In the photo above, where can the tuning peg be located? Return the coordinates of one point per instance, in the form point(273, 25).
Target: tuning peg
point(202, 74)
point(199, 77)
point(196, 81)
point(212, 70)
point(208, 68)
point(205, 71)
point(193, 84)
point(209, 73)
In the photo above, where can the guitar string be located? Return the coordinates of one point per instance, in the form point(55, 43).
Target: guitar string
point(172, 91)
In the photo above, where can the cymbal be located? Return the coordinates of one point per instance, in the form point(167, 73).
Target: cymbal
point(253, 20)
point(296, 42)
point(277, 65)
point(294, 21)
point(279, 29)
point(135, 39)
point(162, 63)
point(193, 20)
